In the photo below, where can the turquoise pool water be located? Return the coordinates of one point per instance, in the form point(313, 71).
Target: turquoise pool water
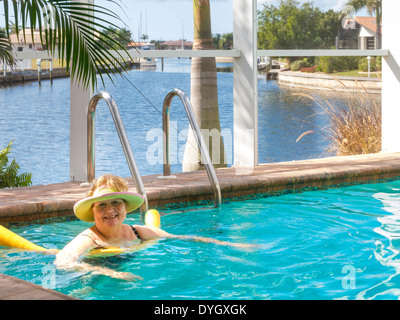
point(332, 244)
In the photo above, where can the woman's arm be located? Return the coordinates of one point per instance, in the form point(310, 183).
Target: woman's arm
point(147, 232)
point(212, 240)
point(68, 259)
point(79, 246)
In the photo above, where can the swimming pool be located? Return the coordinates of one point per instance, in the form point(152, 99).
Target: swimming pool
point(331, 244)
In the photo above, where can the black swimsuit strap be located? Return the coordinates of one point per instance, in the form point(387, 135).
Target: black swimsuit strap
point(136, 233)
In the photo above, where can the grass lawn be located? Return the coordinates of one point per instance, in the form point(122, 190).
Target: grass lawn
point(356, 73)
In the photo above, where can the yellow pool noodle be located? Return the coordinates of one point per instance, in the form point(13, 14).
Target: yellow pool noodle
point(152, 218)
point(13, 240)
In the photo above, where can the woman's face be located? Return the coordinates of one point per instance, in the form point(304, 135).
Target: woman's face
point(109, 213)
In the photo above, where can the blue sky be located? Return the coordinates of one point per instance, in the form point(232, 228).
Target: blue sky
point(170, 19)
point(173, 19)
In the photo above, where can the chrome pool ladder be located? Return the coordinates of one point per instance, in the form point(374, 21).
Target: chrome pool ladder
point(199, 139)
point(124, 142)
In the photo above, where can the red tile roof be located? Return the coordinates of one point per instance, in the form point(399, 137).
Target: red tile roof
point(368, 23)
point(177, 43)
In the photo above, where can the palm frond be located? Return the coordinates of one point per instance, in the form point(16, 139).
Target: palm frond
point(6, 53)
point(70, 29)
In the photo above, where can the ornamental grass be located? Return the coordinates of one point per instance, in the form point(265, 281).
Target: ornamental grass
point(352, 130)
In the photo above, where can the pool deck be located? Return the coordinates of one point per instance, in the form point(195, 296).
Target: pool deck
point(16, 289)
point(40, 203)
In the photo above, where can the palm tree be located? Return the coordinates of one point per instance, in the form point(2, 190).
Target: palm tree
point(373, 6)
point(226, 41)
point(67, 29)
point(204, 94)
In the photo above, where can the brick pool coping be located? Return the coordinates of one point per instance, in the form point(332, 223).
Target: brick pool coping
point(39, 203)
point(16, 289)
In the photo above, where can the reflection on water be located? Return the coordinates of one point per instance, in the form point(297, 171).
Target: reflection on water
point(387, 253)
point(391, 223)
point(282, 118)
point(37, 118)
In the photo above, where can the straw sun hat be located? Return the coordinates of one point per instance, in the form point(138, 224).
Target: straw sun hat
point(83, 208)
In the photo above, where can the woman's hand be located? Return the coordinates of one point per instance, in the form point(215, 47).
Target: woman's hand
point(127, 276)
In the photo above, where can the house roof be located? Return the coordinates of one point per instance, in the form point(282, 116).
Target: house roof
point(28, 33)
point(139, 44)
point(176, 43)
point(368, 23)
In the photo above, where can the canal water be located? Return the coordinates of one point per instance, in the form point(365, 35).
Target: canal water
point(36, 118)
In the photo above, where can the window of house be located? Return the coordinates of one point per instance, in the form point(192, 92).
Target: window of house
point(370, 43)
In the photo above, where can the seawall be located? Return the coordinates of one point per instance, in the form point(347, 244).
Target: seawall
point(12, 78)
point(330, 83)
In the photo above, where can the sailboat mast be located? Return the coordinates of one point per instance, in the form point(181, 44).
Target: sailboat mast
point(183, 45)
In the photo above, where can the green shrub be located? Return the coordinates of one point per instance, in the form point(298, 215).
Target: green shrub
point(338, 64)
point(375, 64)
point(9, 173)
point(299, 64)
point(326, 64)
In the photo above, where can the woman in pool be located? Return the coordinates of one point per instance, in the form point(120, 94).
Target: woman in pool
point(107, 204)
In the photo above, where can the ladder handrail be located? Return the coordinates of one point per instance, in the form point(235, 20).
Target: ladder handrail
point(199, 139)
point(124, 142)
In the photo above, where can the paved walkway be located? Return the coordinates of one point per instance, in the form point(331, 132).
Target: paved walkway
point(29, 204)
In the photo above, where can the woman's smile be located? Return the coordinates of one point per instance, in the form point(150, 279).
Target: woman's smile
point(111, 217)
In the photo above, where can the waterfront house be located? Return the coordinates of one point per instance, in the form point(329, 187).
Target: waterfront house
point(21, 45)
point(177, 45)
point(28, 45)
point(141, 46)
point(358, 33)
